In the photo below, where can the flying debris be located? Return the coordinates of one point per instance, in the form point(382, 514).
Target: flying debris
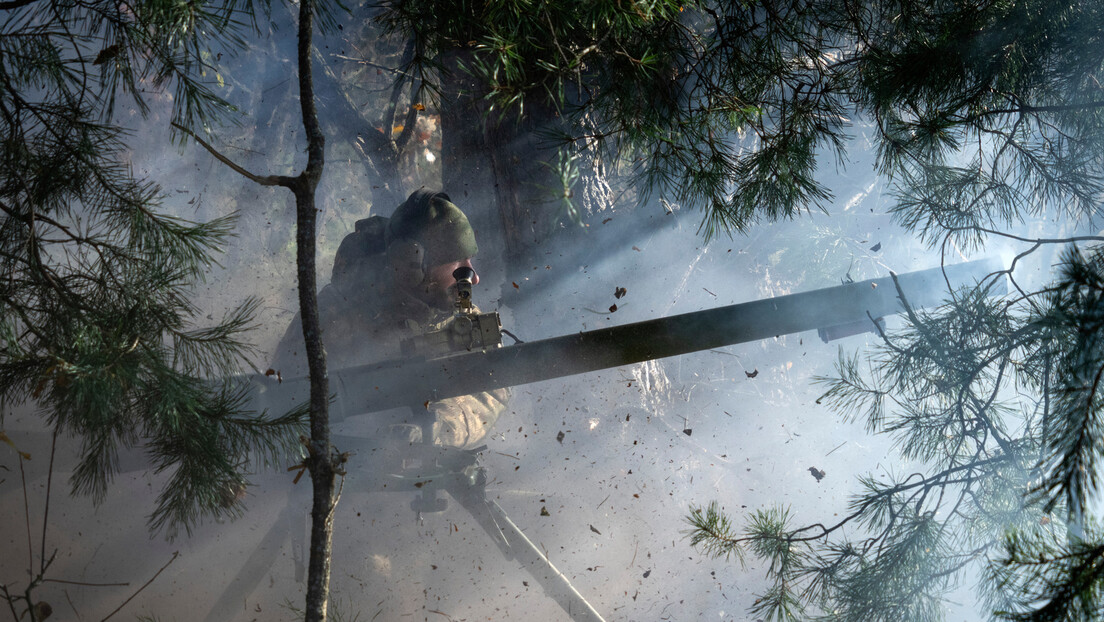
point(560, 436)
point(106, 54)
point(42, 610)
point(301, 468)
point(817, 473)
point(877, 247)
point(544, 511)
point(751, 374)
point(619, 292)
point(613, 308)
point(595, 530)
point(688, 431)
point(26, 456)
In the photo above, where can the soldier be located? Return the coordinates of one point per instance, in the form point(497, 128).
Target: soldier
point(392, 279)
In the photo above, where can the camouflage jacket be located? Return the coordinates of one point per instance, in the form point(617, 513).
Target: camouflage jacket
point(366, 324)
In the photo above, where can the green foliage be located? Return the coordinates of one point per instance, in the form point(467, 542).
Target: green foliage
point(998, 403)
point(700, 99)
point(984, 116)
point(1047, 573)
point(767, 538)
point(530, 50)
point(1074, 321)
point(713, 532)
point(96, 316)
point(989, 112)
point(985, 111)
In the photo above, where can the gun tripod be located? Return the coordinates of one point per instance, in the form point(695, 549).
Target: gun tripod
point(425, 470)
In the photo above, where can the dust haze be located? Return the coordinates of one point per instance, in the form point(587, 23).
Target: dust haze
point(598, 470)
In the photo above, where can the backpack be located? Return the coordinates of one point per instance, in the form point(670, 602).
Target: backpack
point(365, 247)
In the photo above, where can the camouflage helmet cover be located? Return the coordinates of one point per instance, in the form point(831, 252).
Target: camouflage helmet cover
point(437, 224)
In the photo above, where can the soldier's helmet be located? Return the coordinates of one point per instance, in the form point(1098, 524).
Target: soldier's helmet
point(436, 224)
point(425, 230)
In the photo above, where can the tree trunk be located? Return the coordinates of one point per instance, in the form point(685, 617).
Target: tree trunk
point(498, 169)
point(528, 189)
point(322, 459)
point(373, 139)
point(466, 174)
point(323, 462)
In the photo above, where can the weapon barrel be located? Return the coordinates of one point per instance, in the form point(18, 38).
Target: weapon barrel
point(391, 384)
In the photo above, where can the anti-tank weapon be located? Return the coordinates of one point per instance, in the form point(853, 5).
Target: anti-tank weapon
point(467, 357)
point(474, 361)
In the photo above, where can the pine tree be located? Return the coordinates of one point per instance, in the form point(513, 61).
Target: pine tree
point(985, 116)
point(96, 318)
point(503, 77)
point(323, 460)
point(988, 116)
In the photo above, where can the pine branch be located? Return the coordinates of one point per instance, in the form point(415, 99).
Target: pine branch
point(1024, 109)
point(266, 180)
point(369, 63)
point(144, 586)
point(998, 436)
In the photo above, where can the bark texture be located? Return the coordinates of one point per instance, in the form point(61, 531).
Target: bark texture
point(321, 460)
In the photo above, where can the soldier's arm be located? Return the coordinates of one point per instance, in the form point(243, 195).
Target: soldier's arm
point(466, 420)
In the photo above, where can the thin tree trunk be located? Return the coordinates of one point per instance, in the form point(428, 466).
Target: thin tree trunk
point(382, 151)
point(321, 460)
point(498, 169)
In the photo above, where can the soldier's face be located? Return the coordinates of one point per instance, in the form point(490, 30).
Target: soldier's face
point(440, 287)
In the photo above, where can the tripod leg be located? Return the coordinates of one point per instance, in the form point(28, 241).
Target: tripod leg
point(260, 562)
point(516, 545)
